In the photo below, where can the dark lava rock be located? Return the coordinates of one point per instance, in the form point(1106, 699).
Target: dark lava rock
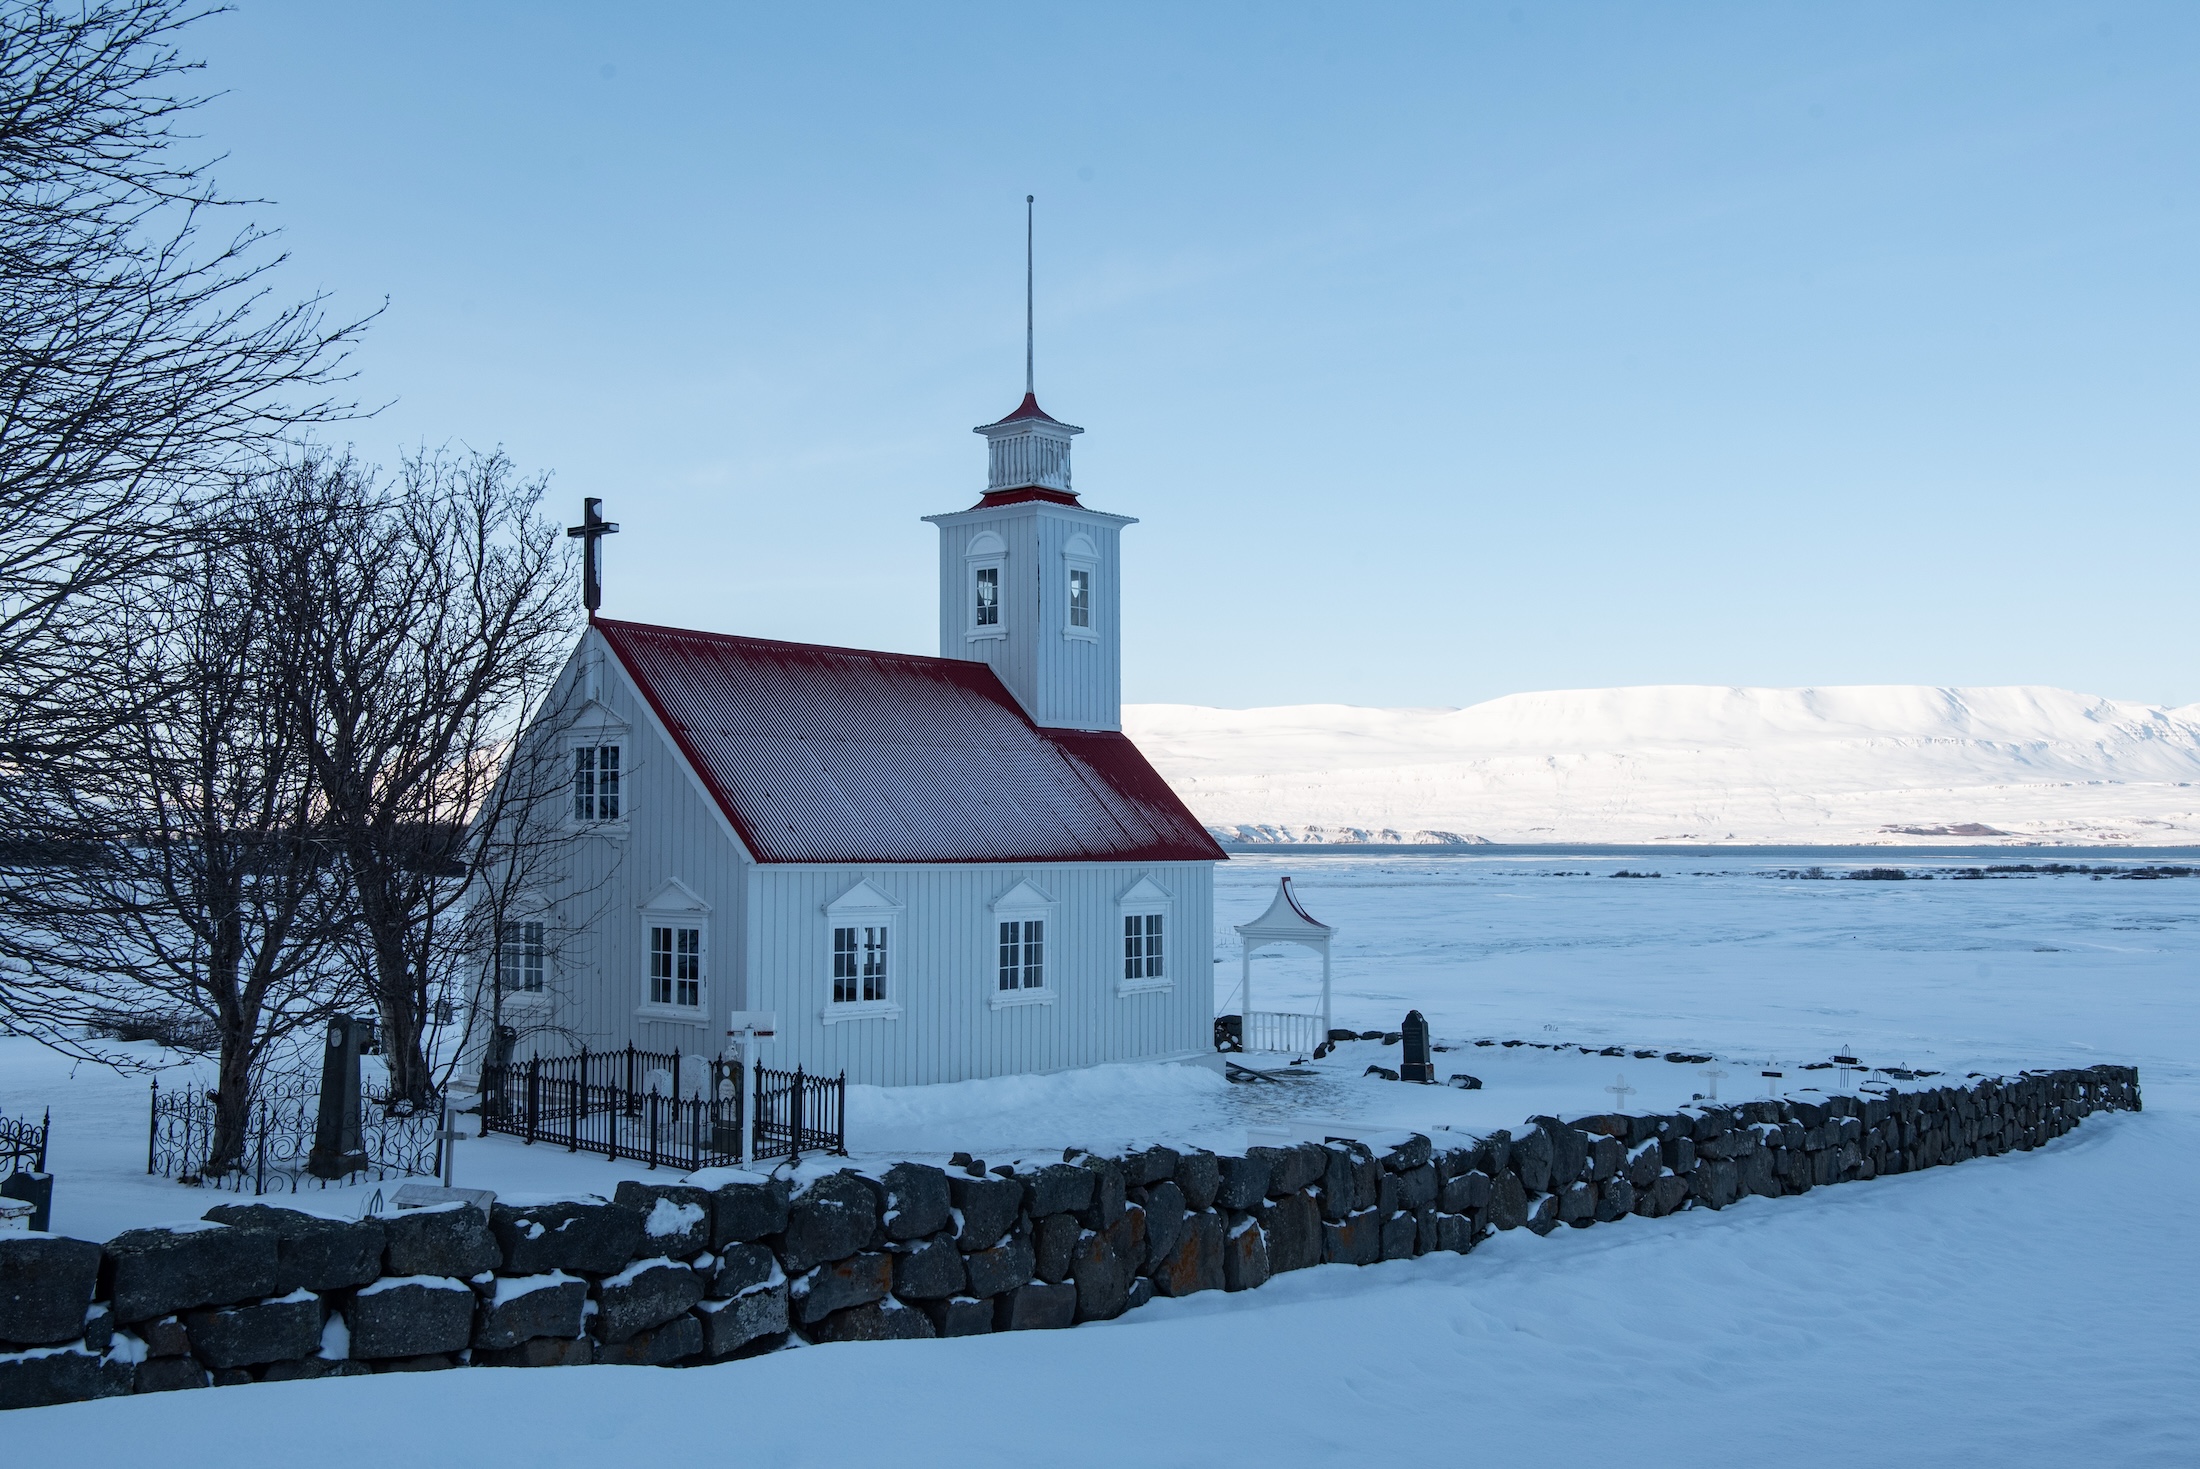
point(46, 1286)
point(675, 1217)
point(453, 1239)
point(831, 1219)
point(540, 1351)
point(410, 1317)
point(62, 1377)
point(731, 1325)
point(568, 1234)
point(531, 1307)
point(989, 1208)
point(916, 1201)
point(1035, 1307)
point(839, 1284)
point(931, 1271)
point(657, 1346)
point(1195, 1264)
point(961, 1316)
point(644, 1295)
point(1199, 1175)
point(151, 1272)
point(1002, 1268)
point(741, 1212)
point(1060, 1188)
point(887, 1320)
point(312, 1253)
point(250, 1336)
point(740, 1267)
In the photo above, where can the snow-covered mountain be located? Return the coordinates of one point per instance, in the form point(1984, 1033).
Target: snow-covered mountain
point(1894, 764)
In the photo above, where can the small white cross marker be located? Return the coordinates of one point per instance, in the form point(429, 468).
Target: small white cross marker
point(1620, 1091)
point(1712, 1074)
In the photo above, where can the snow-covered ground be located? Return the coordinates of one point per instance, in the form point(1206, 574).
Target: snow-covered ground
point(1897, 764)
point(2030, 1309)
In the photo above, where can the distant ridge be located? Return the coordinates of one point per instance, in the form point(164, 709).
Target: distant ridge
point(1900, 765)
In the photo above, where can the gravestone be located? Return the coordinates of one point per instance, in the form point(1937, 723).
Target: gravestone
point(1417, 1065)
point(34, 1189)
point(337, 1149)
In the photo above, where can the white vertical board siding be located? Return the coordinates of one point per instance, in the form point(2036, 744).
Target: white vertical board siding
point(672, 831)
point(1078, 679)
point(1061, 681)
point(945, 972)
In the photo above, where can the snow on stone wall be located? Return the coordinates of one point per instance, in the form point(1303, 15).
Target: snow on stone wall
point(727, 1263)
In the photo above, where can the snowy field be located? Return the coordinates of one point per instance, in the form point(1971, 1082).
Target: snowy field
point(1895, 764)
point(2032, 1309)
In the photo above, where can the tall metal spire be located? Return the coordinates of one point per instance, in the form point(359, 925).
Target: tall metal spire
point(1027, 296)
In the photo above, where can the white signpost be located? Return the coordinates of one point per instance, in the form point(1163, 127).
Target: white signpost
point(744, 1028)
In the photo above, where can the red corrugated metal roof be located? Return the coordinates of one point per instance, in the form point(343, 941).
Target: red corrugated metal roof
point(822, 754)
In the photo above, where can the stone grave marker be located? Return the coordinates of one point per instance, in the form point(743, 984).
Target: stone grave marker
point(337, 1148)
point(1418, 1064)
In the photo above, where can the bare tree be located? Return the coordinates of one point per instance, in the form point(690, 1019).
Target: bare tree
point(187, 867)
point(143, 361)
point(430, 616)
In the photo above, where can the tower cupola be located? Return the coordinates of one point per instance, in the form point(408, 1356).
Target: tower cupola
point(1028, 450)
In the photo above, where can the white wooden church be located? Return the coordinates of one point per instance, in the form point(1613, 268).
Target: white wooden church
point(931, 869)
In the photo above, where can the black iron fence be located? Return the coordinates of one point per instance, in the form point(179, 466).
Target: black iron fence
point(663, 1109)
point(399, 1139)
point(23, 1144)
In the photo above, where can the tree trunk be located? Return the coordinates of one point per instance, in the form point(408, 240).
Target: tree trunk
point(232, 1105)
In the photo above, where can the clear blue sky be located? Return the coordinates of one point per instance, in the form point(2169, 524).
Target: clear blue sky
point(1443, 352)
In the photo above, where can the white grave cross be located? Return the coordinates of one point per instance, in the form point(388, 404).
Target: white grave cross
point(1620, 1091)
point(1712, 1074)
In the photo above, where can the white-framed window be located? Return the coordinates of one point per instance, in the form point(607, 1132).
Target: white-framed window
point(1081, 580)
point(521, 956)
point(861, 980)
point(985, 580)
point(676, 965)
point(1142, 921)
point(859, 962)
point(1143, 947)
point(1024, 955)
point(675, 956)
point(598, 774)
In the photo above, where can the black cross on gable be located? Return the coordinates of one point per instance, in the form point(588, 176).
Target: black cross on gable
point(591, 531)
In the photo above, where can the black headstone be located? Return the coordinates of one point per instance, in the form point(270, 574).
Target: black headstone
point(336, 1145)
point(34, 1189)
point(1417, 1064)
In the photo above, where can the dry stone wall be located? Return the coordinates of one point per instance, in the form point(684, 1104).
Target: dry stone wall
point(727, 1264)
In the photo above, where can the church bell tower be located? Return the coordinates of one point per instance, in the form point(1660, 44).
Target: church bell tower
point(1029, 578)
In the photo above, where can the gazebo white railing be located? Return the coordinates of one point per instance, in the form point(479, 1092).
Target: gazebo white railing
point(1285, 922)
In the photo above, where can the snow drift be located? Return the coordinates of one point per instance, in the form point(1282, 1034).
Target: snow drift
point(1870, 764)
